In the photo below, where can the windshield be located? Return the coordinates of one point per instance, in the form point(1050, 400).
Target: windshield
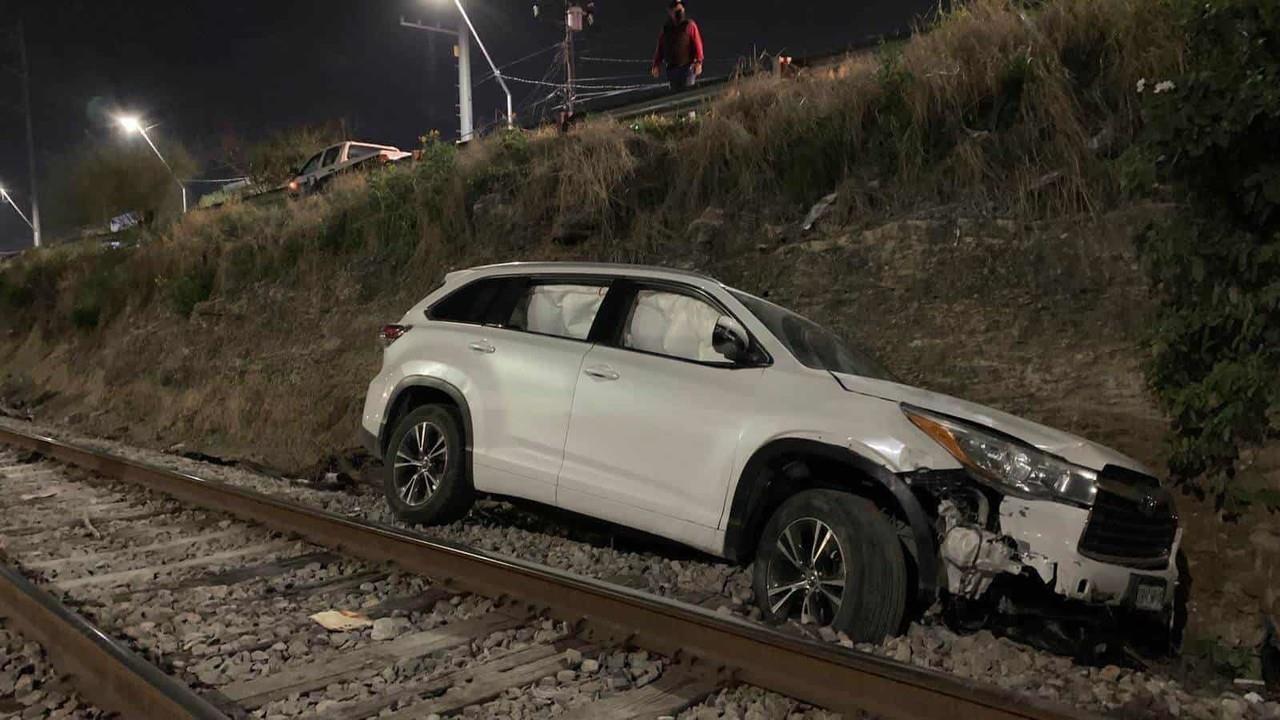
point(810, 343)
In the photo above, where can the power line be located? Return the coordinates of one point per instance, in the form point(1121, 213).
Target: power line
point(648, 61)
point(575, 85)
point(530, 56)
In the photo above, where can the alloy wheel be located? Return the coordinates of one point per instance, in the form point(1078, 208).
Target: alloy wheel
point(807, 574)
point(421, 461)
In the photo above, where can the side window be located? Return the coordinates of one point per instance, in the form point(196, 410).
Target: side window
point(356, 152)
point(311, 165)
point(672, 324)
point(468, 303)
point(562, 310)
point(331, 155)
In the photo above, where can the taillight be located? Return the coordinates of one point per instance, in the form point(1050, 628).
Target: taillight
point(391, 333)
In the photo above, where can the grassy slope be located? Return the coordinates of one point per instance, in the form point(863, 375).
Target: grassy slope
point(981, 244)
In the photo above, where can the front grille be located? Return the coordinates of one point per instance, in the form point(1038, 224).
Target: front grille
point(1127, 529)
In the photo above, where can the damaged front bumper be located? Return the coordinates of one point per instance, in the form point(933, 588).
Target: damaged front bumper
point(1120, 553)
point(1051, 540)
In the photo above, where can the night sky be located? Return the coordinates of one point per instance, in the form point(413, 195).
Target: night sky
point(206, 70)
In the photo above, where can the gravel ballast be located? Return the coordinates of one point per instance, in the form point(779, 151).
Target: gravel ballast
point(31, 688)
point(671, 571)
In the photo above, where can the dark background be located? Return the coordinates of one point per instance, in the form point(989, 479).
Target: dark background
point(205, 71)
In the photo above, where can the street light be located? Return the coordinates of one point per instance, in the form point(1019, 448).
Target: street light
point(464, 67)
point(133, 124)
point(4, 195)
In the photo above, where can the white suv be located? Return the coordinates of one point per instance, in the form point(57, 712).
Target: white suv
point(665, 401)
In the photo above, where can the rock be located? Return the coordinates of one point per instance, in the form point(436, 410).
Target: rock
point(24, 685)
point(389, 628)
point(7, 680)
point(573, 226)
point(589, 667)
point(708, 227)
point(566, 676)
point(819, 211)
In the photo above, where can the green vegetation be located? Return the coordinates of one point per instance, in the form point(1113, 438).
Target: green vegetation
point(1216, 266)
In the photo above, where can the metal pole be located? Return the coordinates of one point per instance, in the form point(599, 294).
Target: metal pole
point(568, 64)
point(16, 209)
point(496, 72)
point(463, 37)
point(181, 186)
point(34, 222)
point(466, 128)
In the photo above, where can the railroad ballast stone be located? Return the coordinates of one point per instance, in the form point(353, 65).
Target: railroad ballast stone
point(670, 571)
point(30, 686)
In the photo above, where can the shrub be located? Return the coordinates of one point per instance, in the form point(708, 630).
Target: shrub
point(1216, 268)
point(191, 288)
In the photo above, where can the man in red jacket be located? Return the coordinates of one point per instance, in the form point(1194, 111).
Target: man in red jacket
point(679, 49)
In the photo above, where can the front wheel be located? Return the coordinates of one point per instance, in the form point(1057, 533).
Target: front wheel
point(831, 558)
point(424, 480)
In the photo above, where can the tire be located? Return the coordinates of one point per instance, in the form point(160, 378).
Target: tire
point(871, 565)
point(442, 492)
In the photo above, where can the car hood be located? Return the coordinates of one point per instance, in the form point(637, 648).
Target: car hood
point(1063, 444)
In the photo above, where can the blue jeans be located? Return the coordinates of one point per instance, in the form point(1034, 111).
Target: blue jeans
point(681, 76)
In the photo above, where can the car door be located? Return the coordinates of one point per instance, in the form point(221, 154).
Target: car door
point(656, 416)
point(329, 164)
point(308, 168)
point(523, 367)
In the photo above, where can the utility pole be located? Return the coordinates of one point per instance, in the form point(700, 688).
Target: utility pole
point(568, 62)
point(25, 71)
point(461, 49)
point(465, 122)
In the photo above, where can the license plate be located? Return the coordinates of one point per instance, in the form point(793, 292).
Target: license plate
point(1149, 596)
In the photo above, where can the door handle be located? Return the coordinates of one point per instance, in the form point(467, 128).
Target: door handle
point(483, 346)
point(602, 372)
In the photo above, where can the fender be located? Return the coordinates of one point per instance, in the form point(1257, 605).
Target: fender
point(433, 383)
point(748, 497)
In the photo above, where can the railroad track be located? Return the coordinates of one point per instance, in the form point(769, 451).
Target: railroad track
point(217, 587)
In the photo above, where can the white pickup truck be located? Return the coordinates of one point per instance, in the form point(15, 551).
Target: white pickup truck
point(316, 171)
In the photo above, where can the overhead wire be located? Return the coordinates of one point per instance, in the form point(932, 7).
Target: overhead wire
point(513, 63)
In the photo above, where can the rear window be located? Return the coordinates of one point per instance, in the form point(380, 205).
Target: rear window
point(356, 152)
point(468, 303)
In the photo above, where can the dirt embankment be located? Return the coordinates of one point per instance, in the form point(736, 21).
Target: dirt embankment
point(1041, 319)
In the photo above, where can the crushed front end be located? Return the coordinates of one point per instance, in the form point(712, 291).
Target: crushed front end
point(1096, 545)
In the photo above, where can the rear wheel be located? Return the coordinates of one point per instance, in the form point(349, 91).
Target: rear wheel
point(831, 558)
point(425, 481)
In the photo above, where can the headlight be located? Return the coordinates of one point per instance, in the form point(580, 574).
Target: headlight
point(1005, 463)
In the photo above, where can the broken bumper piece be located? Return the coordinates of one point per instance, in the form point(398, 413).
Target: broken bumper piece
point(1142, 574)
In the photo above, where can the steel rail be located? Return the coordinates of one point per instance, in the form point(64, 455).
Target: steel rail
point(104, 671)
point(817, 673)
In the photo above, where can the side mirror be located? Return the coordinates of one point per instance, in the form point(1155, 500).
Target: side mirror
point(730, 339)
